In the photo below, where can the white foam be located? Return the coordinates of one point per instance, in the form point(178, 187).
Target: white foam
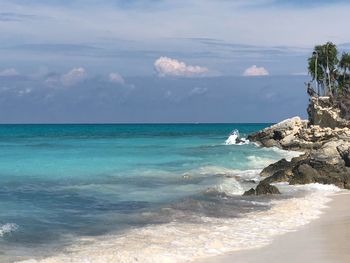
point(234, 139)
point(211, 170)
point(230, 187)
point(247, 175)
point(180, 242)
point(288, 155)
point(7, 228)
point(259, 162)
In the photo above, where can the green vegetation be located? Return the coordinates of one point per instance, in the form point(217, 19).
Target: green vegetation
point(330, 74)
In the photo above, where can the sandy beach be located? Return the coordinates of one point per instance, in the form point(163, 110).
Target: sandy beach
point(325, 240)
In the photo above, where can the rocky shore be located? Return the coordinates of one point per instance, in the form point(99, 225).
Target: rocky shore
point(324, 139)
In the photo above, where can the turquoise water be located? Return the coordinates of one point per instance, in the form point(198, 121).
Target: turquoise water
point(59, 182)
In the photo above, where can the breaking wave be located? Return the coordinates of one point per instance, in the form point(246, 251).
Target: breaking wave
point(235, 139)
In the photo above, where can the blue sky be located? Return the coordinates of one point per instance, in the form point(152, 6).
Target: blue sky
point(53, 49)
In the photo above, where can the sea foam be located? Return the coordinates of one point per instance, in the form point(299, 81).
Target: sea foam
point(181, 242)
point(7, 228)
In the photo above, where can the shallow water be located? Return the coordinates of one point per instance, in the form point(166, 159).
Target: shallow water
point(65, 185)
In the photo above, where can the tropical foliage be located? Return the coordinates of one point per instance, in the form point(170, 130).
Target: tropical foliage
point(330, 74)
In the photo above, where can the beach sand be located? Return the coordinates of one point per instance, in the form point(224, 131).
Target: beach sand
point(325, 240)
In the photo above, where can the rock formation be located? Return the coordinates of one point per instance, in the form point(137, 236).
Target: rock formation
point(325, 140)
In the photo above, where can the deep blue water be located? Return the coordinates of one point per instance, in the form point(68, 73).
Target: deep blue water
point(63, 181)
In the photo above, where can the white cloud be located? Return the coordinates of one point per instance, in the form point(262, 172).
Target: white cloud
point(116, 78)
point(9, 72)
point(171, 67)
point(74, 76)
point(255, 71)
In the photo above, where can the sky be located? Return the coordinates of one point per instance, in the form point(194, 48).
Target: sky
point(64, 61)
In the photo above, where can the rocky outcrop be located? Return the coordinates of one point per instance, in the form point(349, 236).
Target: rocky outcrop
point(327, 121)
point(282, 134)
point(328, 165)
point(325, 139)
point(327, 113)
point(263, 188)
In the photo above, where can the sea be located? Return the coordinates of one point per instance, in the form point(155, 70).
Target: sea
point(141, 193)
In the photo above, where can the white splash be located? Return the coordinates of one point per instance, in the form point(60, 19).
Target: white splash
point(7, 228)
point(235, 139)
point(230, 187)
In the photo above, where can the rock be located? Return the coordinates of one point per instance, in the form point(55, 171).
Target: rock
point(327, 121)
point(325, 139)
point(251, 191)
point(312, 171)
point(279, 176)
point(304, 174)
point(282, 164)
point(283, 134)
point(338, 175)
point(329, 152)
point(325, 112)
point(269, 143)
point(344, 152)
point(263, 188)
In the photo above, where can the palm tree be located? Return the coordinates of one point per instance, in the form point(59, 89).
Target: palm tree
point(325, 66)
point(344, 64)
point(316, 71)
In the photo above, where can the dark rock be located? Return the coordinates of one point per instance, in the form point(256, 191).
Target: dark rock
point(279, 176)
point(304, 174)
point(298, 159)
point(264, 188)
point(344, 153)
point(338, 175)
point(278, 135)
point(282, 164)
point(313, 171)
point(251, 191)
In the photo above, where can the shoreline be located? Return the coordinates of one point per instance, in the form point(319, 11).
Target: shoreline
point(324, 240)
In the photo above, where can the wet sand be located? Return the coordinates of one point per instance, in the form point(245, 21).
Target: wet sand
point(325, 240)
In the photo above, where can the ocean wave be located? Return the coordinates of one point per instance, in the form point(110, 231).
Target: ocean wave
point(179, 242)
point(228, 187)
point(7, 228)
point(259, 162)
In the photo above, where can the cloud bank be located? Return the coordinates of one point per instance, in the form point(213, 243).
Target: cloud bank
point(255, 71)
point(171, 67)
